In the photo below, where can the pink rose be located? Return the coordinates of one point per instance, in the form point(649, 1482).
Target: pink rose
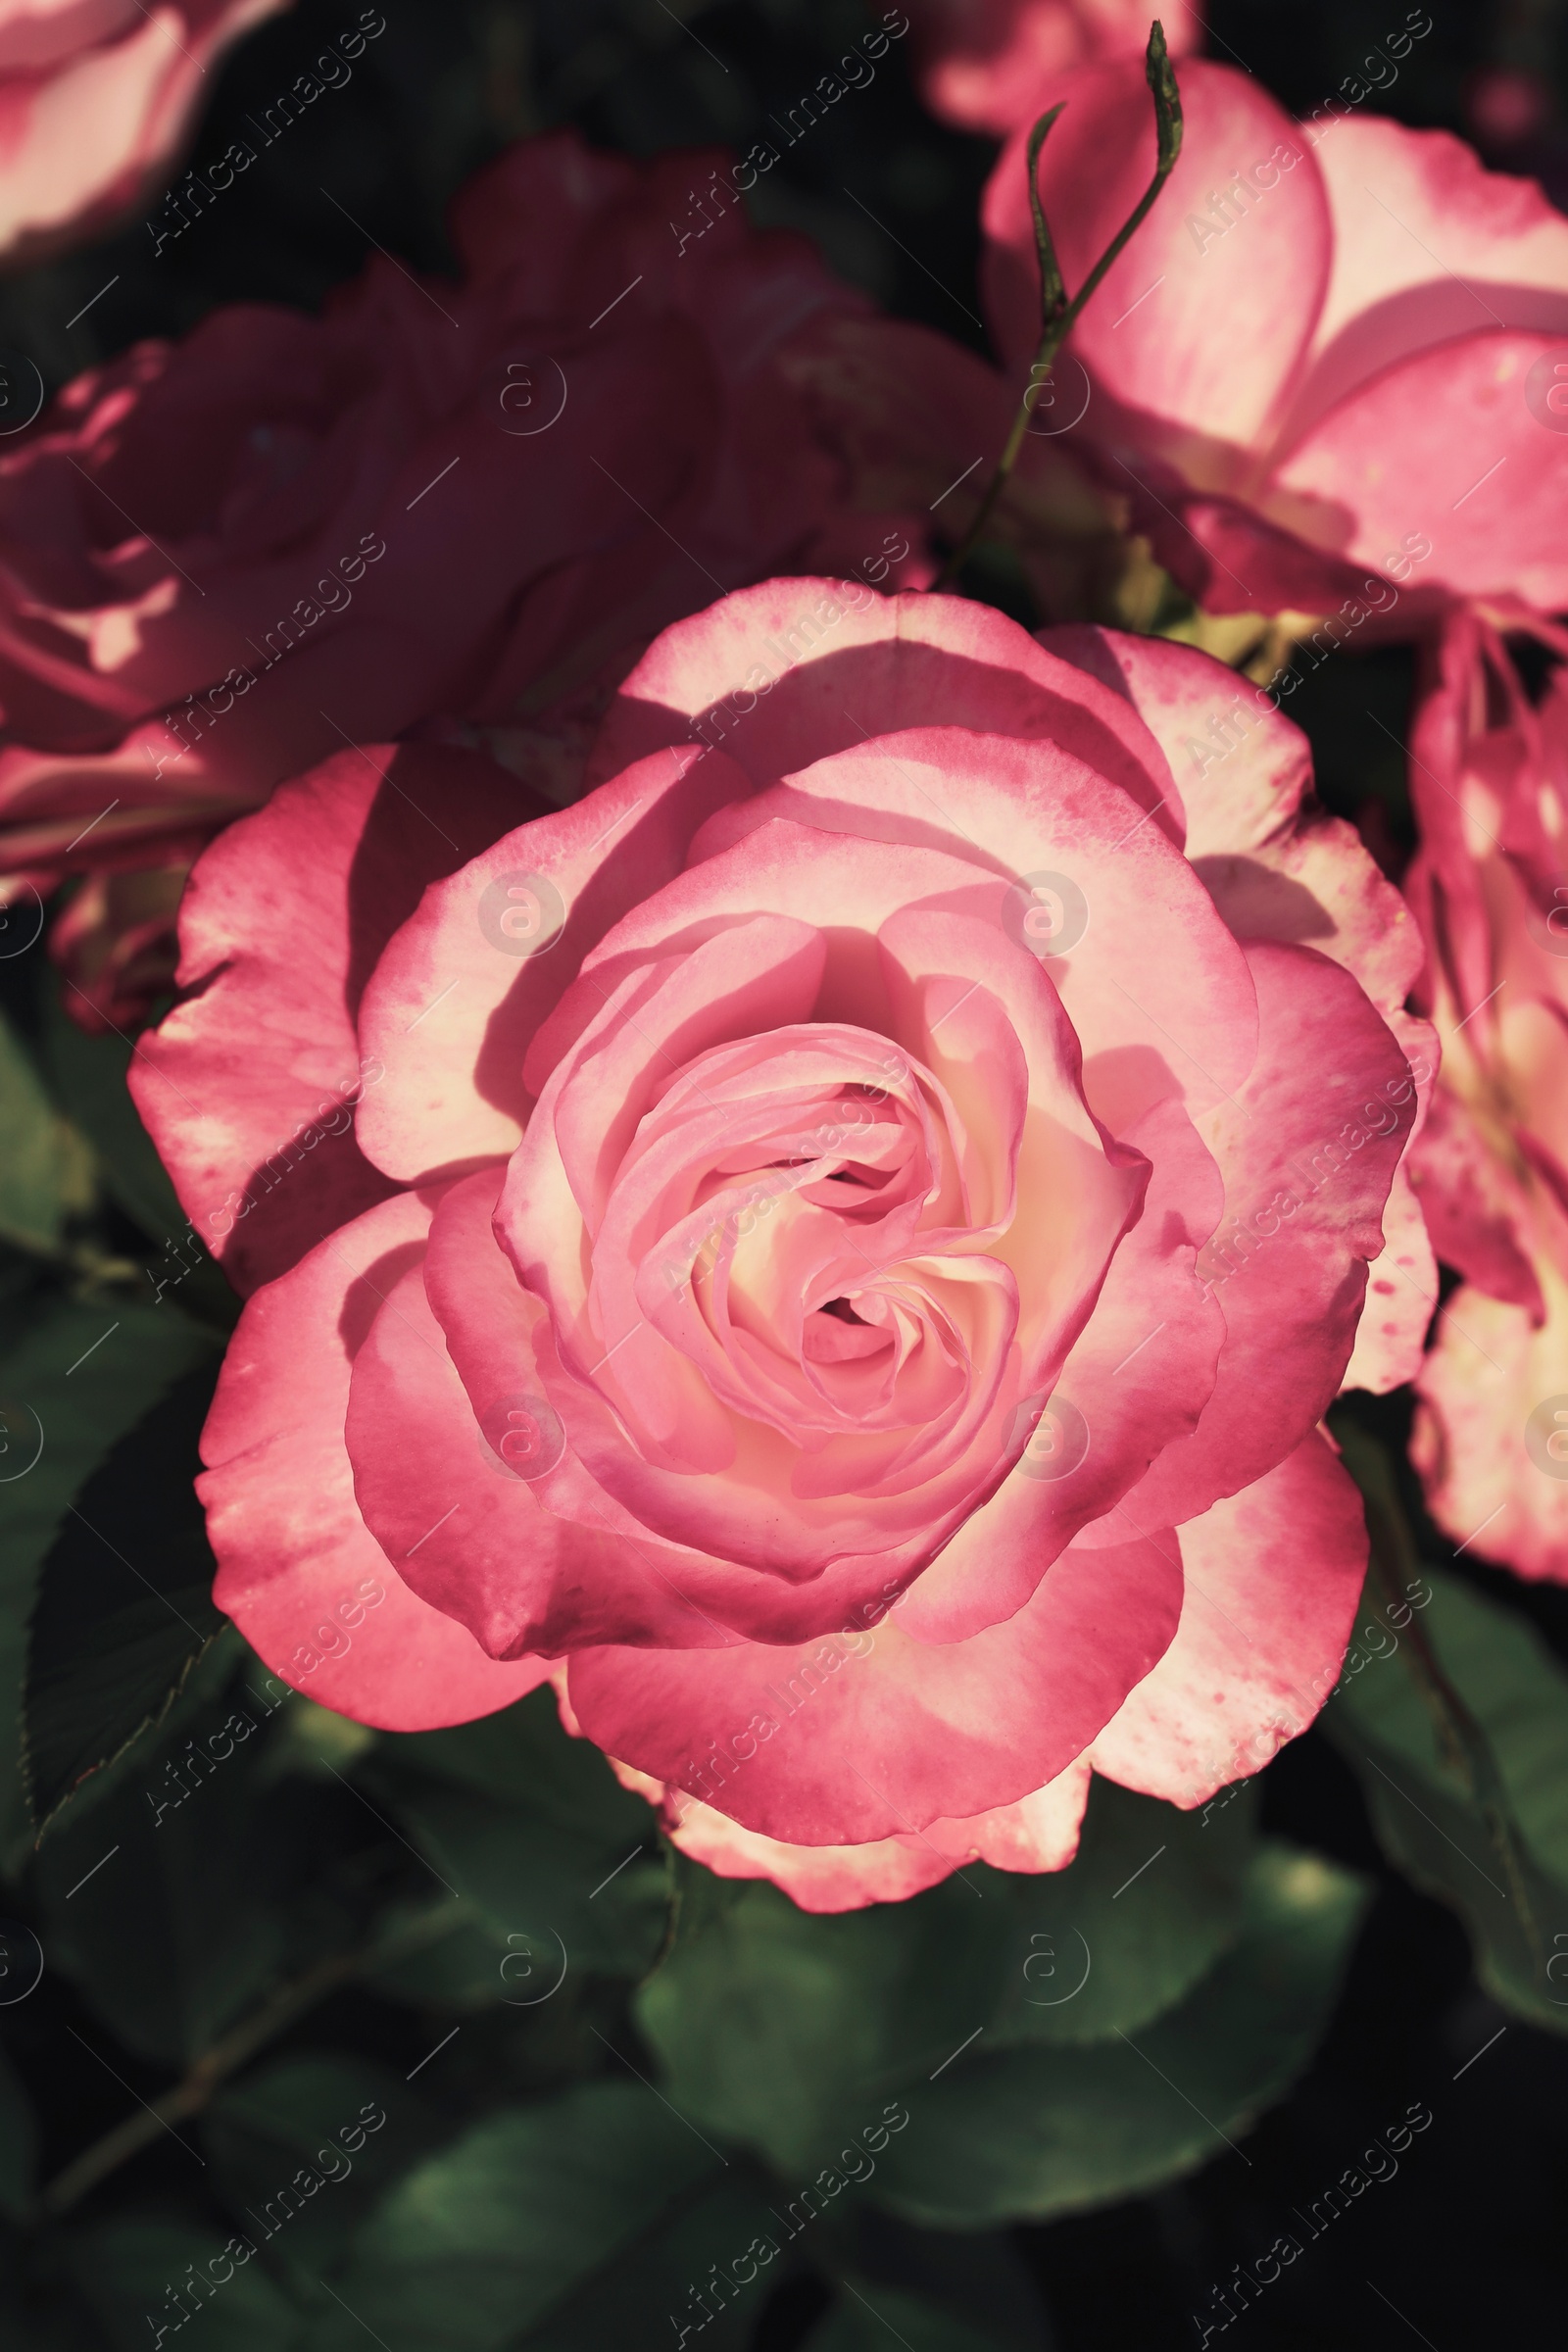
point(96, 97)
point(846, 1236)
point(1330, 368)
point(990, 65)
point(1488, 778)
point(222, 559)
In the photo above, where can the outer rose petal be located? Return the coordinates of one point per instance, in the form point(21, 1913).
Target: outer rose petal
point(1277, 873)
point(283, 920)
point(85, 134)
point(1489, 1372)
point(899, 1734)
point(1408, 447)
point(1475, 1210)
point(1276, 870)
point(1273, 1576)
point(1037, 1833)
point(1407, 264)
point(1292, 1296)
point(1160, 361)
point(452, 1010)
point(836, 669)
point(990, 65)
point(1242, 768)
point(293, 1553)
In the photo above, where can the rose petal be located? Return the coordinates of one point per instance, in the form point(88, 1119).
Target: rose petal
point(456, 997)
point(1428, 246)
point(1272, 1578)
point(297, 1568)
point(1039, 1832)
point(1440, 451)
point(1488, 1432)
point(1138, 1379)
point(1147, 338)
point(892, 1734)
point(249, 1088)
point(828, 668)
point(1291, 1317)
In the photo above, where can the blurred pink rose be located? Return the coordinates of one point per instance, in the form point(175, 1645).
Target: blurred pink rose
point(1334, 357)
point(990, 65)
point(835, 1247)
point(1489, 778)
point(96, 97)
point(222, 559)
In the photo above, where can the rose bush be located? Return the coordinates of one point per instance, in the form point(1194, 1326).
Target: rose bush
point(845, 1239)
point(220, 560)
point(1488, 780)
point(95, 102)
point(987, 65)
point(1326, 353)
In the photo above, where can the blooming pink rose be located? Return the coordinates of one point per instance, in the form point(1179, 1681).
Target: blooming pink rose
point(95, 100)
point(1331, 360)
point(847, 1235)
point(1488, 778)
point(990, 65)
point(222, 559)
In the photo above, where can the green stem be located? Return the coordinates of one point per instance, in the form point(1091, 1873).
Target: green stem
point(189, 2095)
point(1058, 316)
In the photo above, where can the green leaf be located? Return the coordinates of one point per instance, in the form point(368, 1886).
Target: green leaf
point(1033, 2133)
point(45, 1169)
point(142, 2275)
point(1421, 1804)
point(522, 1756)
point(485, 2240)
point(1150, 1902)
point(460, 1964)
point(655, 2285)
point(940, 2291)
point(124, 1606)
point(869, 2313)
point(76, 1381)
point(89, 1075)
point(784, 2028)
point(172, 1903)
point(533, 1830)
point(304, 2146)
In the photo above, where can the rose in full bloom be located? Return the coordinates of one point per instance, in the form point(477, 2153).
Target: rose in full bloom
point(843, 1240)
point(95, 101)
point(1488, 780)
point(222, 559)
point(1330, 369)
point(988, 65)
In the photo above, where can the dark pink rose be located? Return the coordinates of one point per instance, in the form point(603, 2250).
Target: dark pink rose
point(222, 559)
point(990, 65)
point(96, 97)
point(1488, 778)
point(1330, 368)
point(836, 1245)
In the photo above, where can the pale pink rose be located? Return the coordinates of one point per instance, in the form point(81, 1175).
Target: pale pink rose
point(1330, 369)
point(1488, 778)
point(990, 65)
point(834, 1248)
point(97, 98)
